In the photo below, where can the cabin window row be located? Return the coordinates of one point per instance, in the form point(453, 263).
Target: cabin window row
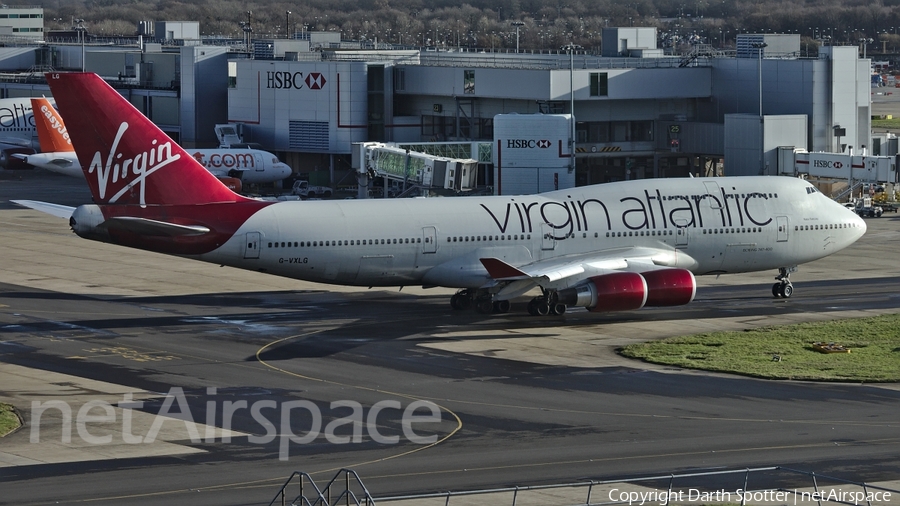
point(751, 230)
point(638, 233)
point(727, 195)
point(830, 226)
point(478, 238)
point(350, 242)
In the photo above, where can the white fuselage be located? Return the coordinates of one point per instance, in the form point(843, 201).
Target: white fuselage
point(17, 124)
point(251, 166)
point(708, 226)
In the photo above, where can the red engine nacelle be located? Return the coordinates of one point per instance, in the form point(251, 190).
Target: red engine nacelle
point(670, 287)
point(619, 291)
point(624, 291)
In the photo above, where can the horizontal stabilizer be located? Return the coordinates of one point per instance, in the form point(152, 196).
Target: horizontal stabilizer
point(45, 207)
point(500, 270)
point(144, 226)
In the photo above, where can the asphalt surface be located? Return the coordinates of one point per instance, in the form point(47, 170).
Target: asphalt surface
point(86, 316)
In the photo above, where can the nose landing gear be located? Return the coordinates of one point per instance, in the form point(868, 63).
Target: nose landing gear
point(784, 289)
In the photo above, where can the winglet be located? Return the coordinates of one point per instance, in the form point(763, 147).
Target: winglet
point(500, 270)
point(52, 134)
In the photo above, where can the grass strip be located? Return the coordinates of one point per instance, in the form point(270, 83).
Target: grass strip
point(787, 352)
point(886, 123)
point(8, 419)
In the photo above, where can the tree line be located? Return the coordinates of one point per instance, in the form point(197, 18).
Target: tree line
point(541, 24)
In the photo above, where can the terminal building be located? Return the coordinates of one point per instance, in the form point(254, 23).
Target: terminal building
point(636, 112)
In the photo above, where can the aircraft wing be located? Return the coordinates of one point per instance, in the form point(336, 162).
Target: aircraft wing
point(581, 266)
point(142, 226)
point(55, 161)
point(57, 210)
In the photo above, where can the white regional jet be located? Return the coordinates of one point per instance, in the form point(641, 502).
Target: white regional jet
point(250, 166)
point(609, 247)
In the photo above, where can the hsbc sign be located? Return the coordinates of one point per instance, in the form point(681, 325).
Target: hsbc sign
point(828, 164)
point(527, 143)
point(276, 80)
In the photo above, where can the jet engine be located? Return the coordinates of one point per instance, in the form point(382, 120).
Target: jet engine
point(624, 291)
point(670, 287)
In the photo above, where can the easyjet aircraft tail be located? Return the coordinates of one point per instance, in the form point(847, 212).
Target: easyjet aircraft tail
point(119, 149)
point(52, 134)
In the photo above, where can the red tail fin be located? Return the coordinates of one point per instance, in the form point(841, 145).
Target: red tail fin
point(51, 130)
point(125, 157)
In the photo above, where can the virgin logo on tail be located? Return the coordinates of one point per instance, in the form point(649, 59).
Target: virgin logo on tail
point(135, 170)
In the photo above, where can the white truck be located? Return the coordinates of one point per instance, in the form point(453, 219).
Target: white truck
point(866, 208)
point(304, 190)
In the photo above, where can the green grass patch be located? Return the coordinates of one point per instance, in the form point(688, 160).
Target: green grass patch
point(886, 123)
point(874, 343)
point(8, 419)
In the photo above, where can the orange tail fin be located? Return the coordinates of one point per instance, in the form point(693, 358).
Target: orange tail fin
point(52, 133)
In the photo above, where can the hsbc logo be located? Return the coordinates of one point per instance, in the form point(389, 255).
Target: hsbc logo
point(294, 80)
point(527, 143)
point(828, 164)
point(315, 81)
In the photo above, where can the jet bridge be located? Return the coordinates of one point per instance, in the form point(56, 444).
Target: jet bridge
point(408, 172)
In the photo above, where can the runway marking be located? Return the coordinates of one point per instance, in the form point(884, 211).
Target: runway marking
point(459, 423)
point(268, 482)
point(817, 421)
point(128, 354)
point(826, 444)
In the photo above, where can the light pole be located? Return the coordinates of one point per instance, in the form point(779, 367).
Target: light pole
point(517, 24)
point(571, 49)
point(80, 28)
point(287, 24)
point(249, 29)
point(759, 46)
point(865, 42)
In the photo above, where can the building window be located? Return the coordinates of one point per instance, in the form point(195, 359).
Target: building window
point(232, 74)
point(598, 84)
point(399, 79)
point(469, 82)
point(641, 131)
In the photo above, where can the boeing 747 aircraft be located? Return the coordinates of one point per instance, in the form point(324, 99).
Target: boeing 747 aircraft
point(609, 247)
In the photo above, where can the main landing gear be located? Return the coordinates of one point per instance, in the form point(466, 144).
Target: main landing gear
point(545, 304)
point(783, 289)
point(484, 304)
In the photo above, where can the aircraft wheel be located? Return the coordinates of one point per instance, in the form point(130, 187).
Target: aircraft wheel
point(538, 307)
point(501, 306)
point(460, 301)
point(786, 290)
point(558, 309)
point(776, 290)
point(485, 306)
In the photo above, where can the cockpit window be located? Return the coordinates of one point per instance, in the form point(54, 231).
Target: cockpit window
point(811, 189)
